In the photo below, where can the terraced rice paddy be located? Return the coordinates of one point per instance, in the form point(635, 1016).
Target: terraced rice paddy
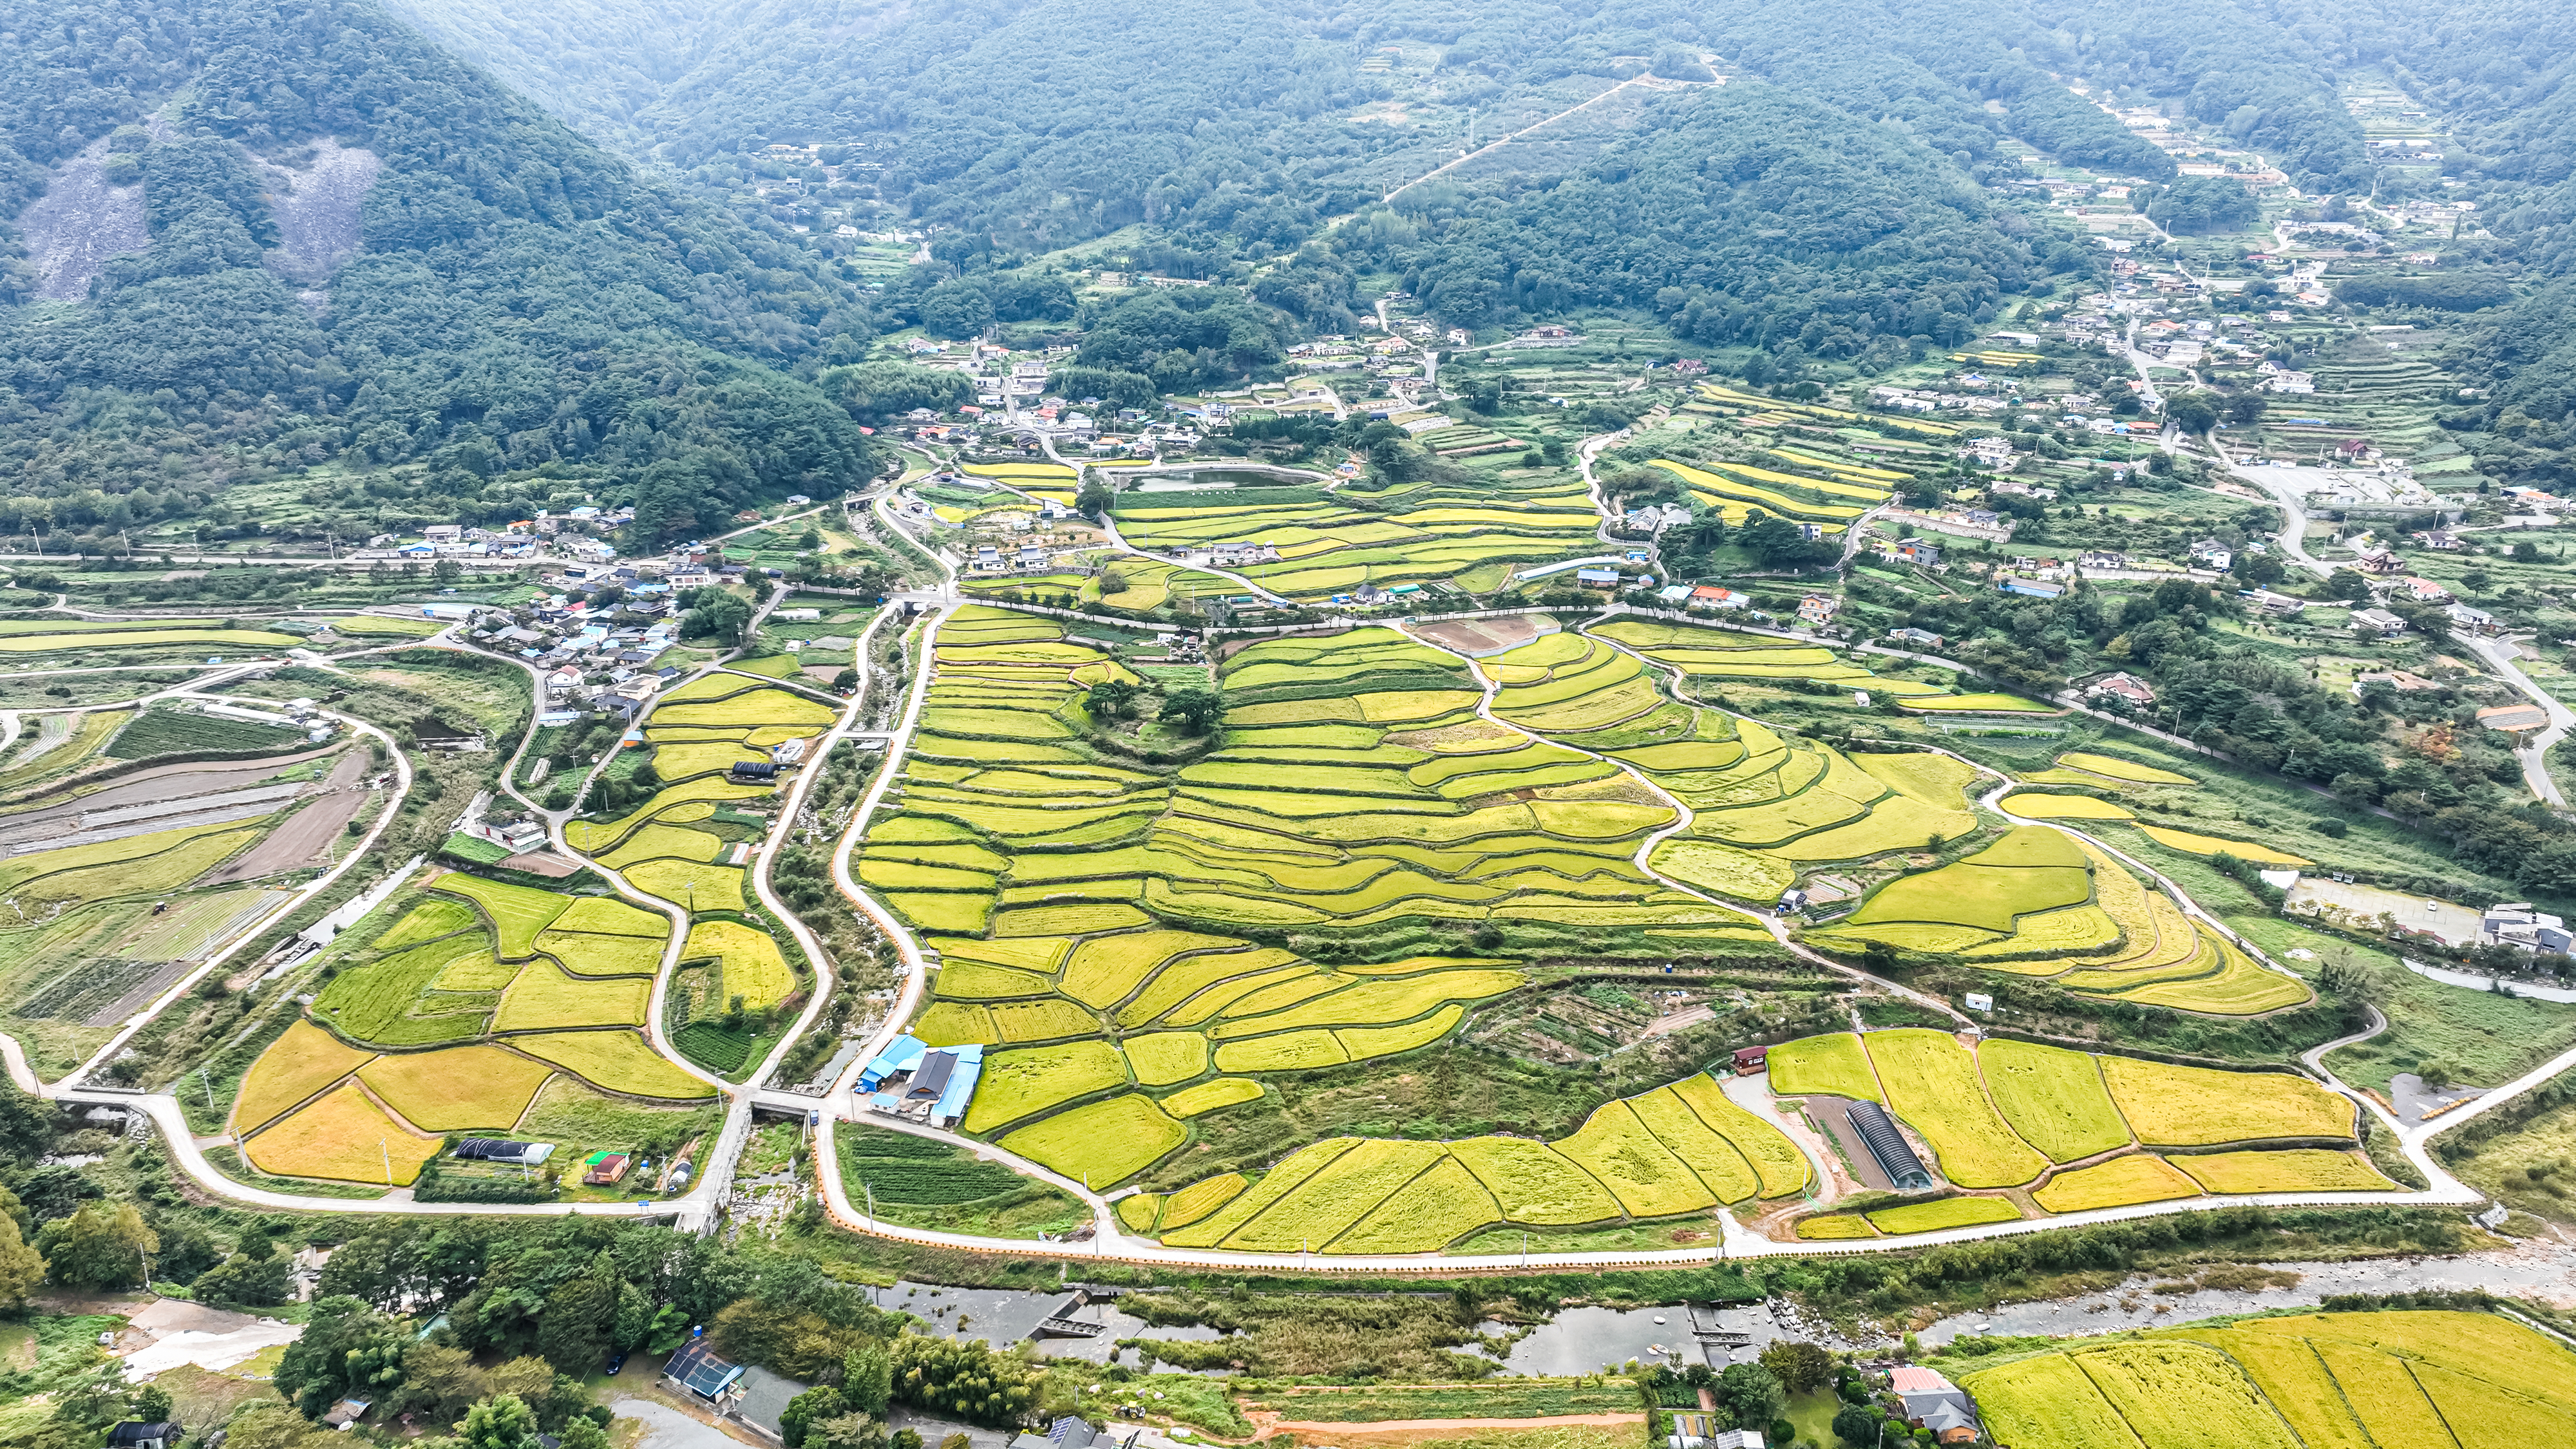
point(1102, 1142)
point(302, 1062)
point(2041, 903)
point(1739, 492)
point(2337, 1380)
point(1999, 1113)
point(1354, 786)
point(1424, 532)
point(342, 1136)
point(1766, 805)
point(2120, 1182)
point(615, 1061)
point(2193, 843)
point(1072, 891)
point(457, 1089)
point(430, 990)
point(1664, 1154)
point(750, 961)
point(1948, 1212)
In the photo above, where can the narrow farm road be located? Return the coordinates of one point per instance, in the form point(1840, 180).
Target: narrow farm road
point(1773, 924)
point(2531, 754)
point(1117, 541)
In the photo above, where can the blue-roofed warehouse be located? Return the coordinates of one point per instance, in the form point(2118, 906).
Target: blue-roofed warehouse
point(901, 1055)
point(960, 1087)
point(910, 1079)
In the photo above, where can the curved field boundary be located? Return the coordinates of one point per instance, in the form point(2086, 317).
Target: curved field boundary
point(164, 1111)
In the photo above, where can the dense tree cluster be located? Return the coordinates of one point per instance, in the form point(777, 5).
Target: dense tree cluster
point(519, 298)
point(1746, 214)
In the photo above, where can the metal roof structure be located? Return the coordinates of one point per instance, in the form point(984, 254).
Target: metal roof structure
point(696, 1368)
point(901, 1055)
point(1887, 1146)
point(961, 1085)
point(500, 1149)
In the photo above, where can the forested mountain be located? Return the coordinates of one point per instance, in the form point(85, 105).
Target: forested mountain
point(1239, 131)
point(511, 295)
point(2502, 75)
point(263, 234)
point(1746, 214)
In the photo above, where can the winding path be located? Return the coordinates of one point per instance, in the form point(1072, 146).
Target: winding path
point(2531, 754)
point(1109, 1242)
point(1109, 530)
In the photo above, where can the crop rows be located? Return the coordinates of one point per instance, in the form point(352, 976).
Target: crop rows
point(2326, 1381)
point(2039, 902)
point(1999, 1115)
point(1422, 533)
point(1660, 1155)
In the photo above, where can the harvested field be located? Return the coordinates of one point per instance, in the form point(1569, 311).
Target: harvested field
point(307, 837)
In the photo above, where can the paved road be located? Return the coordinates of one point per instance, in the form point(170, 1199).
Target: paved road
point(1109, 1241)
point(2532, 754)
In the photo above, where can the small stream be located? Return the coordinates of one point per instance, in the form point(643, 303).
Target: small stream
point(1002, 1317)
point(2536, 1269)
point(1589, 1340)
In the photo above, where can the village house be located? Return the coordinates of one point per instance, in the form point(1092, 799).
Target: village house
point(1933, 1402)
point(2030, 588)
point(2122, 686)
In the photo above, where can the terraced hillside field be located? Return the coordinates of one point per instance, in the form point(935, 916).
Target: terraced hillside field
point(2042, 1129)
point(2042, 903)
point(1124, 938)
point(1088, 910)
point(124, 870)
point(691, 843)
point(1332, 542)
point(450, 1010)
point(1122, 581)
point(1765, 807)
point(1678, 1150)
point(2348, 1380)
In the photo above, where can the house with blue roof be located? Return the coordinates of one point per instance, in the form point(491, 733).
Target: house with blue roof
point(912, 1079)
